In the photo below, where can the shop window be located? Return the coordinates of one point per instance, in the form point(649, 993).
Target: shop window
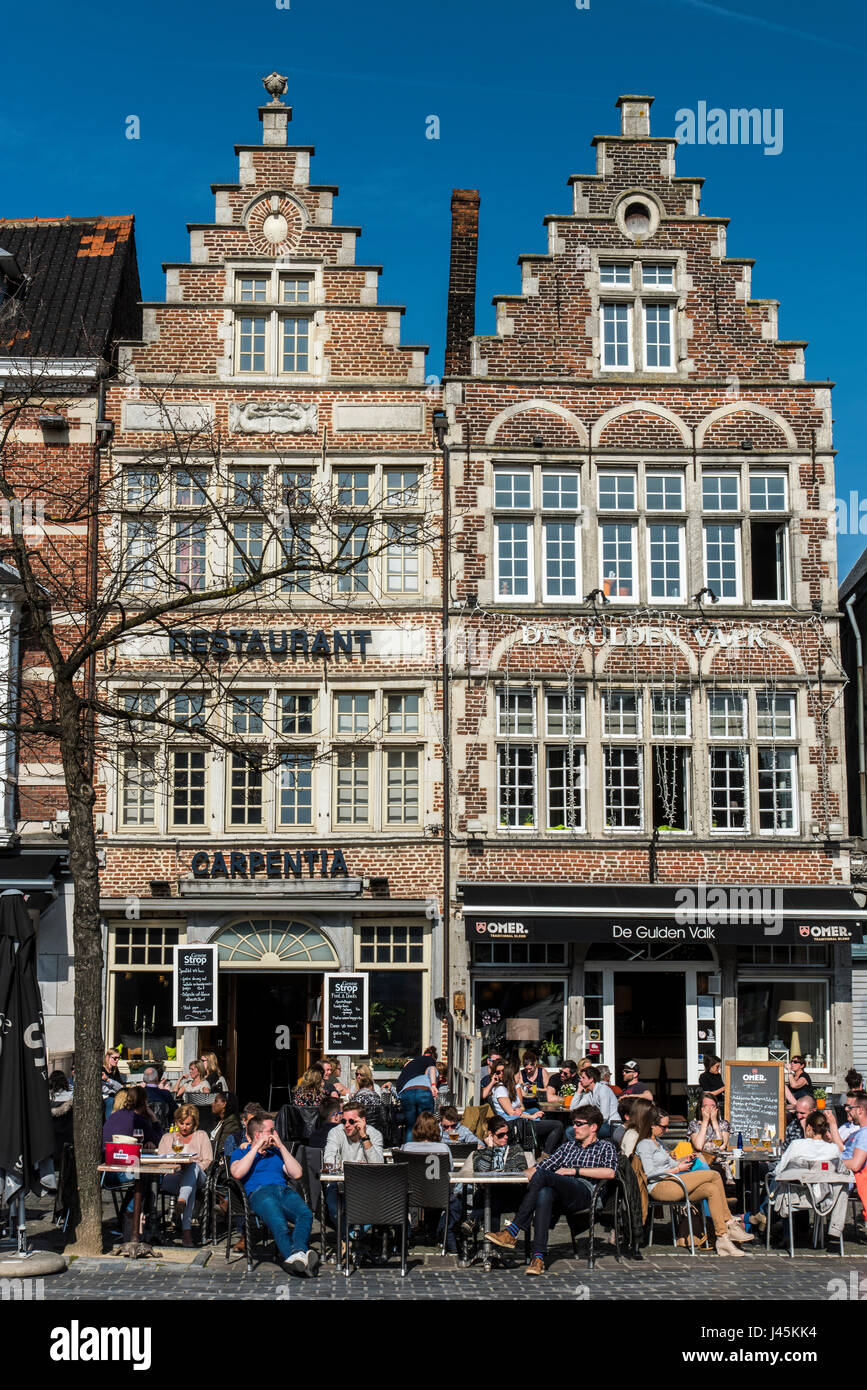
point(143, 1013)
point(395, 998)
point(788, 1013)
point(516, 953)
point(513, 1010)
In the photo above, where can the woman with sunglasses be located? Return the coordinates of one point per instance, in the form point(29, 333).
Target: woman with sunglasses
point(705, 1184)
point(507, 1098)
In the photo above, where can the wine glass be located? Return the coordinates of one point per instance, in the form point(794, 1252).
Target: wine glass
point(138, 1136)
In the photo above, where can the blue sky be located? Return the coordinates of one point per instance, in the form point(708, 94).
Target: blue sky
point(519, 90)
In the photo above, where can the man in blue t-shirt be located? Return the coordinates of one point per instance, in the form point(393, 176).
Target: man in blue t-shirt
point(263, 1165)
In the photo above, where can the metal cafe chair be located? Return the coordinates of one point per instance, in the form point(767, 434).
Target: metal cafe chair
point(376, 1194)
point(674, 1203)
point(252, 1226)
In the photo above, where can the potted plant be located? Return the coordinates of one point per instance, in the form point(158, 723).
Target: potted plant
point(566, 1094)
point(550, 1050)
point(820, 1095)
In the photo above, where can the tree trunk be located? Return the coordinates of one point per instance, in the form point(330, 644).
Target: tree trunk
point(87, 949)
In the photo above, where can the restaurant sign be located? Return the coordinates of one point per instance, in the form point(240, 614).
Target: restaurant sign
point(273, 863)
point(295, 642)
point(629, 931)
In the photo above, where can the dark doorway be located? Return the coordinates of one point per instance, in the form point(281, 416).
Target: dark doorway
point(271, 1011)
point(650, 1028)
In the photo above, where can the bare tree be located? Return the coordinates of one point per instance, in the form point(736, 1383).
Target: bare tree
point(117, 562)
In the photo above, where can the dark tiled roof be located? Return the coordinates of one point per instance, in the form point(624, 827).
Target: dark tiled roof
point(83, 288)
point(854, 579)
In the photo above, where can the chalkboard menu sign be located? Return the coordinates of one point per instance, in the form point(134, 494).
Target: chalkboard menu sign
point(754, 1098)
point(346, 1013)
point(194, 992)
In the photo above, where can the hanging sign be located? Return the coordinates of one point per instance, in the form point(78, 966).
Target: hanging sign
point(346, 1014)
point(194, 986)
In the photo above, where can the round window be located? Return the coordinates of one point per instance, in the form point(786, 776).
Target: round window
point(637, 220)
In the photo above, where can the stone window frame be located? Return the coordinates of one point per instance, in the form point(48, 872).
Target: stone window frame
point(272, 310)
point(536, 515)
point(516, 733)
point(637, 294)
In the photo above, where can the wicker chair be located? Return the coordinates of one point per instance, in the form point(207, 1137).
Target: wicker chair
point(376, 1194)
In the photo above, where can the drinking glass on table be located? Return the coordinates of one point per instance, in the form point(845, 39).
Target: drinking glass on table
point(177, 1142)
point(138, 1136)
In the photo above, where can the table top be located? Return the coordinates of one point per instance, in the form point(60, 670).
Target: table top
point(159, 1167)
point(811, 1175)
point(464, 1173)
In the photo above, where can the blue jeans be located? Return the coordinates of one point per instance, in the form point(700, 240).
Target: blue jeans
point(184, 1184)
point(413, 1102)
point(281, 1209)
point(548, 1194)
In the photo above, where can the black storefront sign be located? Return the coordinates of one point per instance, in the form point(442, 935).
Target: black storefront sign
point(346, 1013)
point(637, 931)
point(292, 643)
point(272, 863)
point(194, 987)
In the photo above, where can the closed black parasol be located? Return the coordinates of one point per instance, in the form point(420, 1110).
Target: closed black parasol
point(26, 1131)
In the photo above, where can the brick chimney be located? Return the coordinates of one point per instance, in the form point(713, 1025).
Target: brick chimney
point(461, 315)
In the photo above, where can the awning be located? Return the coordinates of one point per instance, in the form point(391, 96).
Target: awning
point(30, 873)
point(634, 914)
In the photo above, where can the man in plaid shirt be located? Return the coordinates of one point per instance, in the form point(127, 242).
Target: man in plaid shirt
point(563, 1179)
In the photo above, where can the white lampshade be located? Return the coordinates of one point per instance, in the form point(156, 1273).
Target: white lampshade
point(522, 1029)
point(795, 1011)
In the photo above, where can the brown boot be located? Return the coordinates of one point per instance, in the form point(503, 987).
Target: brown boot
point(187, 1239)
point(504, 1240)
point(240, 1247)
point(536, 1266)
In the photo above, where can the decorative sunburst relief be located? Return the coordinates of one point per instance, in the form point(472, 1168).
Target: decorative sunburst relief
point(275, 224)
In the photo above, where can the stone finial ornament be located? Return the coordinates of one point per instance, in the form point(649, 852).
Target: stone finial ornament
point(275, 85)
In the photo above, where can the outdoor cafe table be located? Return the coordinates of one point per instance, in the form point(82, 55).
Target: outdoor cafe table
point(810, 1177)
point(146, 1168)
point(463, 1174)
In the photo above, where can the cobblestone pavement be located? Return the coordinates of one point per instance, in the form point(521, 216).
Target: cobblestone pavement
point(665, 1277)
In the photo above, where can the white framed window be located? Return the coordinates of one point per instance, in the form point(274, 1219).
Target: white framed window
point(623, 788)
point(726, 715)
point(247, 712)
point(295, 344)
point(516, 807)
point(295, 788)
point(190, 487)
point(670, 715)
point(252, 289)
point(666, 562)
point(140, 554)
point(616, 336)
point(253, 347)
point(402, 804)
point(138, 787)
point(190, 543)
point(296, 544)
point(513, 559)
point(140, 703)
point(729, 789)
point(272, 340)
point(516, 712)
point(353, 711)
point(353, 551)
point(621, 714)
point(564, 717)
point(296, 712)
point(769, 492)
point(663, 492)
point(513, 489)
point(617, 569)
point(295, 289)
point(188, 768)
point(188, 708)
point(565, 787)
point(722, 559)
point(247, 487)
point(657, 274)
point(352, 787)
point(245, 789)
point(141, 487)
point(401, 487)
point(616, 491)
point(775, 715)
point(720, 492)
point(659, 337)
point(769, 561)
point(296, 487)
point(618, 273)
point(561, 560)
point(670, 783)
point(777, 790)
point(353, 487)
point(248, 549)
point(561, 492)
point(402, 559)
point(403, 714)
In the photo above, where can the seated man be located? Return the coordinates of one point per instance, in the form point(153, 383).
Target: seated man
point(592, 1091)
point(632, 1086)
point(351, 1141)
point(155, 1092)
point(452, 1129)
point(566, 1076)
point(327, 1118)
point(263, 1164)
point(561, 1183)
point(497, 1155)
point(487, 1082)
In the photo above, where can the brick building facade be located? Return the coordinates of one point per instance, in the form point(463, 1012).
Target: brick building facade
point(271, 411)
point(647, 688)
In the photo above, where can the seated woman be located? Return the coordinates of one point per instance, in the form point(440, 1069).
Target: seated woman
point(507, 1098)
point(195, 1082)
point(658, 1163)
point(311, 1088)
point(369, 1094)
point(633, 1116)
point(225, 1112)
point(816, 1147)
point(130, 1113)
point(213, 1075)
point(426, 1140)
point(710, 1134)
point(188, 1179)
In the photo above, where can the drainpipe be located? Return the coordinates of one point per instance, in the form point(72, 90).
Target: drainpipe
point(862, 770)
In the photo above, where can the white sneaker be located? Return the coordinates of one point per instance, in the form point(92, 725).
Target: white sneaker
point(297, 1263)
